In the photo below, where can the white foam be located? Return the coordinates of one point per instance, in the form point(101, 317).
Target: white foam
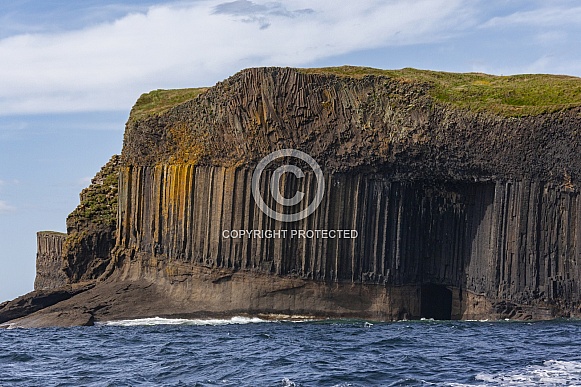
point(550, 373)
point(286, 382)
point(182, 321)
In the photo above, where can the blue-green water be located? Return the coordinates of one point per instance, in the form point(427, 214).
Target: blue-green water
point(249, 352)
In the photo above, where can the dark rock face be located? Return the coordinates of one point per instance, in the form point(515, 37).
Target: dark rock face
point(91, 227)
point(35, 301)
point(373, 123)
point(505, 241)
point(457, 214)
point(49, 272)
point(83, 253)
point(481, 204)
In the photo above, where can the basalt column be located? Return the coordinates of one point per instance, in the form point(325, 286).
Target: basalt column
point(49, 261)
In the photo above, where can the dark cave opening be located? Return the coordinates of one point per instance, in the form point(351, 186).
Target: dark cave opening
point(436, 302)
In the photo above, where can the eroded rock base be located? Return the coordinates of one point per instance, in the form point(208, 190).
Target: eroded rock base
point(206, 293)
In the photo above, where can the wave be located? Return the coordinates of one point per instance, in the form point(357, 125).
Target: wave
point(182, 321)
point(550, 373)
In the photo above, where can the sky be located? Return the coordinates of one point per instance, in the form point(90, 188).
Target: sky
point(71, 71)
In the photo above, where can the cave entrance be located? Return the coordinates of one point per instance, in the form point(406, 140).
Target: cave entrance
point(436, 302)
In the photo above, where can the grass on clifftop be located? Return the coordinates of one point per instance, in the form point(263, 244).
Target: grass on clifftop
point(158, 101)
point(515, 95)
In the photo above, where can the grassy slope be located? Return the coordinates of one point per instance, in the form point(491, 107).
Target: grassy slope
point(516, 95)
point(158, 101)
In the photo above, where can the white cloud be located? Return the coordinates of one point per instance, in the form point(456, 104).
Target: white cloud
point(106, 66)
point(5, 207)
point(545, 17)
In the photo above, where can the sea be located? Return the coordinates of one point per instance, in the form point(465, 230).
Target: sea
point(245, 351)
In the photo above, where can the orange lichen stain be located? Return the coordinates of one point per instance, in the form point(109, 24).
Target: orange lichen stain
point(188, 147)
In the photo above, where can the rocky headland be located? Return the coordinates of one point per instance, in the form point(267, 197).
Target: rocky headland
point(460, 192)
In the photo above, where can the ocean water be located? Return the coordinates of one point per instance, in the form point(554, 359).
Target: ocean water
point(253, 352)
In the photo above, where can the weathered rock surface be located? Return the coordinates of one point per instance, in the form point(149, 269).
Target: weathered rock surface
point(376, 124)
point(483, 205)
point(91, 227)
point(37, 300)
point(49, 262)
point(458, 214)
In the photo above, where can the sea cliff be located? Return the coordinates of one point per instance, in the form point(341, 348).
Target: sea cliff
point(459, 192)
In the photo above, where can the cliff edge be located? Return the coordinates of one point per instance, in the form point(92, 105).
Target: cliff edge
point(449, 196)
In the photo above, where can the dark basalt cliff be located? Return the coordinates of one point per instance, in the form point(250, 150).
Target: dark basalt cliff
point(460, 211)
point(372, 123)
point(49, 260)
point(91, 227)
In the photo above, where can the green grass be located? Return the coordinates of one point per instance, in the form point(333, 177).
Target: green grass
point(515, 95)
point(159, 101)
point(99, 200)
